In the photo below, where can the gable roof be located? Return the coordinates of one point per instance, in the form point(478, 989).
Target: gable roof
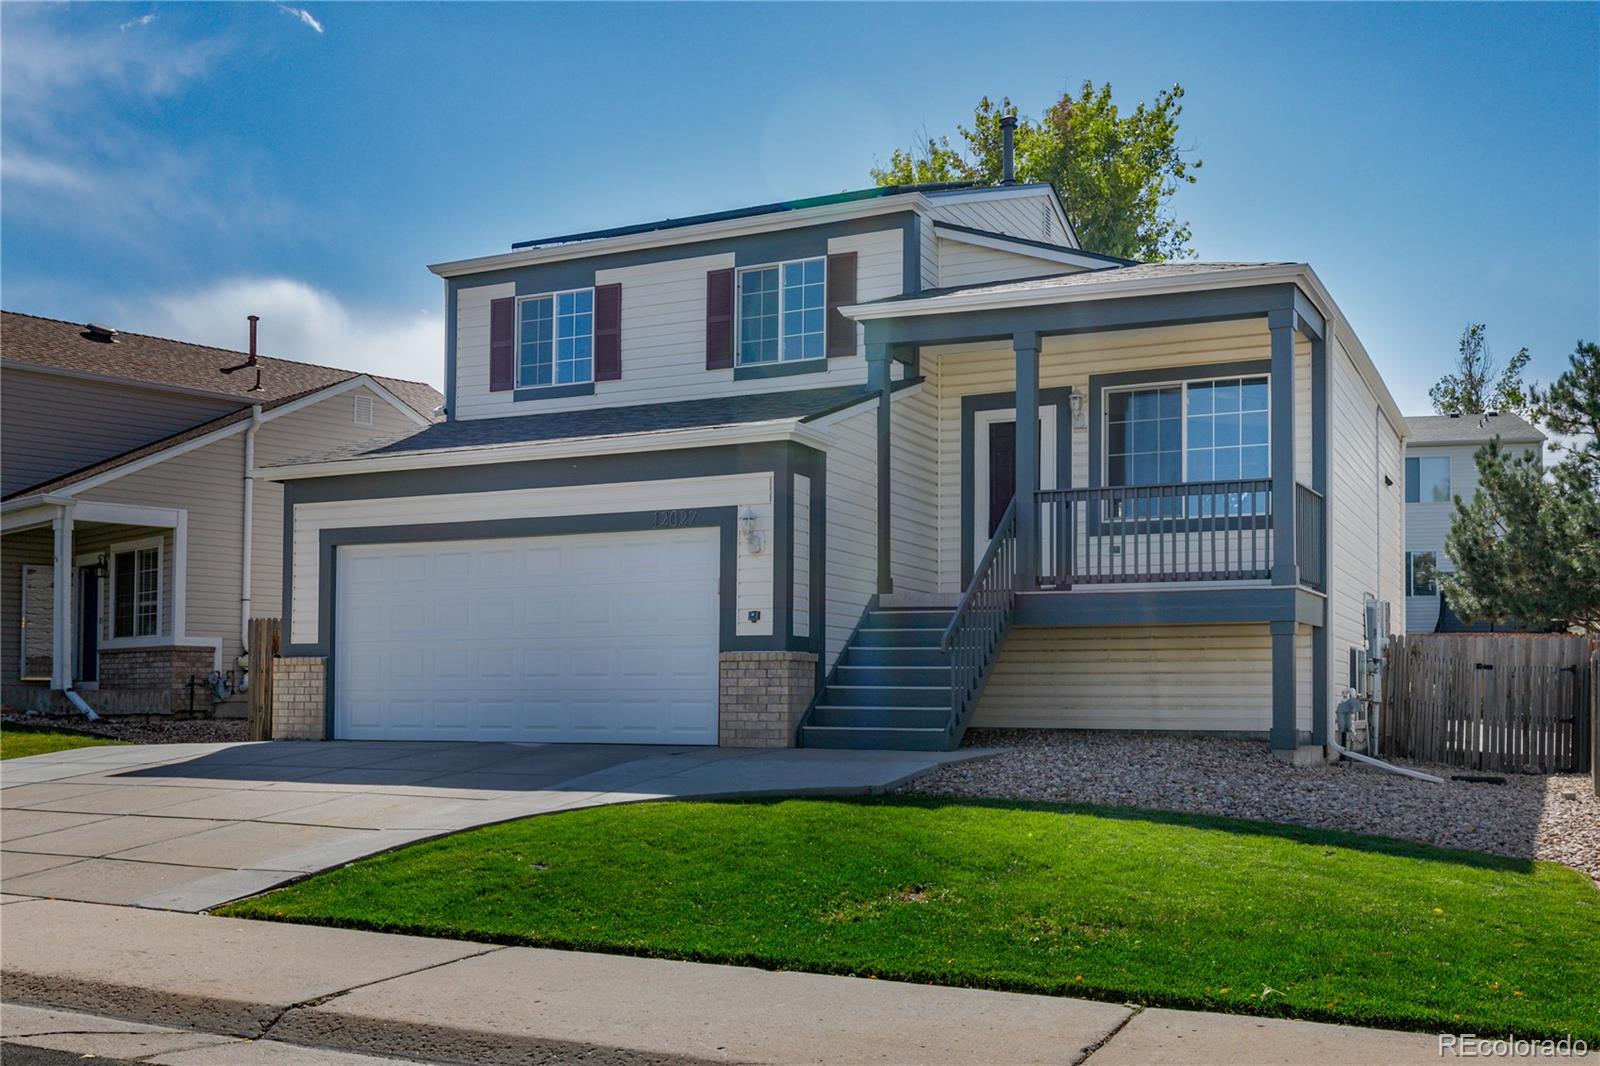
point(1471, 429)
point(790, 405)
point(51, 344)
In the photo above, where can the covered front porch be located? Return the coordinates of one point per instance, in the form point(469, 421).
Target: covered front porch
point(1139, 458)
point(95, 595)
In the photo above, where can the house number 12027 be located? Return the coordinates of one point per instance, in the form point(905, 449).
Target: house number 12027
point(675, 519)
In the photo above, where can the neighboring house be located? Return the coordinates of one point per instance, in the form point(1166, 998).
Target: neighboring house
point(726, 478)
point(1440, 467)
point(135, 541)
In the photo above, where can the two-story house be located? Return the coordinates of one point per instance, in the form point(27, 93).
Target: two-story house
point(136, 541)
point(1440, 466)
point(857, 471)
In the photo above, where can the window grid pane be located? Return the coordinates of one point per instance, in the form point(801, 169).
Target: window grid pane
point(1144, 443)
point(148, 596)
point(574, 337)
point(1229, 429)
point(535, 362)
point(758, 315)
point(804, 303)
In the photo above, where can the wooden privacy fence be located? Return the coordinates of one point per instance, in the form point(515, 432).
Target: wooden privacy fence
point(264, 635)
point(1517, 702)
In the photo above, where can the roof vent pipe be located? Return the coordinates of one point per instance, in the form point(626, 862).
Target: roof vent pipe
point(1008, 137)
point(253, 320)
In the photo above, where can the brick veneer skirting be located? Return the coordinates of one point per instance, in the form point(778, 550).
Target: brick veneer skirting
point(163, 672)
point(299, 702)
point(763, 695)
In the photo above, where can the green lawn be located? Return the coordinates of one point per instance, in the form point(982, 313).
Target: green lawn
point(1120, 905)
point(20, 741)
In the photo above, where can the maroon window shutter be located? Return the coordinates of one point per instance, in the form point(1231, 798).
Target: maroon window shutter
point(719, 319)
point(502, 341)
point(841, 338)
point(607, 332)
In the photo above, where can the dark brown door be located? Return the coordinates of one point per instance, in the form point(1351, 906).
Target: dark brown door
point(1002, 470)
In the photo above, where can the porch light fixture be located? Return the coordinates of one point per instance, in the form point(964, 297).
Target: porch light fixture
point(1079, 419)
point(747, 528)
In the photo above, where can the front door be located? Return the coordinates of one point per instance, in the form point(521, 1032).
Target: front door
point(88, 623)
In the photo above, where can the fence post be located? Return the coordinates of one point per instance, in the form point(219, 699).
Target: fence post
point(264, 636)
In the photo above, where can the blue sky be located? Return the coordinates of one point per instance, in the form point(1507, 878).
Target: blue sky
point(170, 168)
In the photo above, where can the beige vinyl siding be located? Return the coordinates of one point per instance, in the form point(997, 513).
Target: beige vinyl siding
point(852, 525)
point(977, 369)
point(1366, 518)
point(914, 491)
point(1031, 215)
point(800, 594)
point(1202, 678)
point(318, 427)
point(51, 424)
point(664, 335)
point(967, 264)
point(1427, 524)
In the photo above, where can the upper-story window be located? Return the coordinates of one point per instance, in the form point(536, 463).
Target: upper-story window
point(783, 312)
point(1217, 430)
point(555, 339)
point(1428, 479)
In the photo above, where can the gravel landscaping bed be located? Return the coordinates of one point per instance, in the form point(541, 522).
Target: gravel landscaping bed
point(140, 731)
point(1554, 817)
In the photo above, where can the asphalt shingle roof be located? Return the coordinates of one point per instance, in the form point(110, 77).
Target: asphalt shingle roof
point(1470, 429)
point(49, 342)
point(784, 405)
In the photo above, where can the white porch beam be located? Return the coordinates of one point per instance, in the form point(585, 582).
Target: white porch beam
point(61, 624)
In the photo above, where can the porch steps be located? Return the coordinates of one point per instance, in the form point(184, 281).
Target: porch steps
point(891, 686)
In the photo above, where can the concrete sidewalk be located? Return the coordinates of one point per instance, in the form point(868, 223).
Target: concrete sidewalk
point(450, 1001)
point(190, 826)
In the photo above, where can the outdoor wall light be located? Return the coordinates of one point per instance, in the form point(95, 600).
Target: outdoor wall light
point(747, 528)
point(1079, 419)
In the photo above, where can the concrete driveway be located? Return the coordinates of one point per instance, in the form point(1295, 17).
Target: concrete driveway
point(190, 826)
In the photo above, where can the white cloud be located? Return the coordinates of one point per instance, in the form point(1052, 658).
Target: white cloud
point(302, 14)
point(142, 20)
point(298, 322)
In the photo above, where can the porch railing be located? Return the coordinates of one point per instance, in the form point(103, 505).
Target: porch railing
point(981, 622)
point(1308, 534)
point(1198, 531)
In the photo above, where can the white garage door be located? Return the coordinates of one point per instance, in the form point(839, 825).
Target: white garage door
point(600, 638)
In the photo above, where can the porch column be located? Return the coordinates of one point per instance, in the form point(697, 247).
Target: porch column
point(61, 623)
point(1285, 687)
point(878, 380)
point(1026, 346)
point(1283, 325)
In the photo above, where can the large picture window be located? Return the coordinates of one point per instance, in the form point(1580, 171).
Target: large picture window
point(555, 339)
point(782, 312)
point(1217, 430)
point(136, 590)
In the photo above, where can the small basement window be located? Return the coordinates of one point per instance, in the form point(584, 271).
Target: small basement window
point(136, 589)
point(363, 410)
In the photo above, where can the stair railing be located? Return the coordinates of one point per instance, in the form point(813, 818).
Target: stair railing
point(981, 622)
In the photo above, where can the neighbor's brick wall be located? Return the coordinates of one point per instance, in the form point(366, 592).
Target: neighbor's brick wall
point(298, 698)
point(163, 672)
point(763, 695)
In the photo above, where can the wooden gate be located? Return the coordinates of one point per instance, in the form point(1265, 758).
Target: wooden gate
point(264, 635)
point(1517, 702)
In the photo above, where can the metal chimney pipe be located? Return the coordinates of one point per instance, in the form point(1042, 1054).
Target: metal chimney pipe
point(253, 320)
point(1008, 134)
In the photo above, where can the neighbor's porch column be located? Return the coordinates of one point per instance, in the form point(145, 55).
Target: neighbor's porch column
point(878, 380)
point(61, 624)
point(1283, 324)
point(1026, 346)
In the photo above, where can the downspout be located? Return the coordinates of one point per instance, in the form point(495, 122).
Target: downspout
point(249, 531)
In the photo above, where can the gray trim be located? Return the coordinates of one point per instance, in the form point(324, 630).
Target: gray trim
point(878, 381)
point(911, 256)
point(450, 349)
point(1284, 688)
point(1283, 326)
point(1179, 605)
point(780, 459)
point(971, 404)
point(1085, 316)
point(725, 519)
point(1098, 383)
point(553, 392)
point(757, 371)
point(1107, 260)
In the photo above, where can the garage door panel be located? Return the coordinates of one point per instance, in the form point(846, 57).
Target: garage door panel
point(609, 637)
